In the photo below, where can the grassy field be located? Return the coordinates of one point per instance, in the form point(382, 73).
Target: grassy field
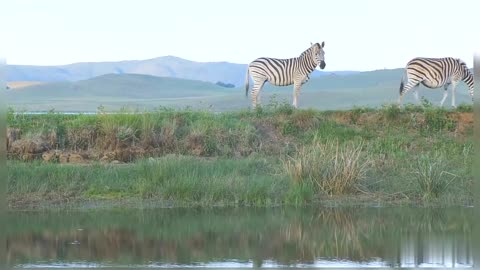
point(275, 155)
point(143, 92)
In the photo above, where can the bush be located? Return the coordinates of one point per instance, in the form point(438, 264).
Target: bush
point(436, 119)
point(464, 108)
point(391, 111)
point(226, 85)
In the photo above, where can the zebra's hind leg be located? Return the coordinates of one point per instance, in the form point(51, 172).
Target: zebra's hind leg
point(257, 87)
point(454, 90)
point(445, 94)
point(411, 84)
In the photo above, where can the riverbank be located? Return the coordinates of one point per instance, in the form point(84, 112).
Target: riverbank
point(269, 157)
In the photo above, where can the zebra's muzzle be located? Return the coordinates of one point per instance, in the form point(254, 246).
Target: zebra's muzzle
point(322, 64)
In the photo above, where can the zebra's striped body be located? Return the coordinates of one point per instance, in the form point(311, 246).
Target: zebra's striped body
point(435, 73)
point(283, 72)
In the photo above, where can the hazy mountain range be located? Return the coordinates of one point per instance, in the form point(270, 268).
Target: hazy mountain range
point(167, 66)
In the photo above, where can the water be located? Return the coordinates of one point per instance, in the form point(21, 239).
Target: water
point(241, 237)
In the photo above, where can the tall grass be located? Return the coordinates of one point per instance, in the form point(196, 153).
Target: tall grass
point(179, 180)
point(431, 176)
point(330, 167)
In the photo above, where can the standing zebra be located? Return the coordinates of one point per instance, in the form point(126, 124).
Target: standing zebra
point(435, 73)
point(283, 72)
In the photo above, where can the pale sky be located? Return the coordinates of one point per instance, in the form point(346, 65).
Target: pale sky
point(358, 34)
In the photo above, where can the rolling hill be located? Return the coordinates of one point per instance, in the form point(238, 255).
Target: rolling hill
point(130, 86)
point(114, 91)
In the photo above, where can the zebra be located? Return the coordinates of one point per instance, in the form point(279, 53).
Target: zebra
point(435, 73)
point(284, 72)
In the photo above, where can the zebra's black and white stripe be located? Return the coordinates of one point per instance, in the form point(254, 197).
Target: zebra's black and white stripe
point(283, 72)
point(435, 73)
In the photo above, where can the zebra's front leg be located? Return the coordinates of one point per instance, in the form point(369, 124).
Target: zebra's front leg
point(471, 92)
point(454, 86)
point(296, 91)
point(445, 95)
point(305, 80)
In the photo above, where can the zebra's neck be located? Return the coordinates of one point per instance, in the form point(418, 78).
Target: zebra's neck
point(306, 60)
point(468, 79)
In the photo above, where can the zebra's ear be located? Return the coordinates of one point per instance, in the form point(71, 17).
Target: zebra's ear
point(311, 43)
point(323, 44)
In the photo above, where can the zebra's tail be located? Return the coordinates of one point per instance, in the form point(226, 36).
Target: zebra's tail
point(247, 82)
point(401, 86)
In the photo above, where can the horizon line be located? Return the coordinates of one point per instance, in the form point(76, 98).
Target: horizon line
point(166, 56)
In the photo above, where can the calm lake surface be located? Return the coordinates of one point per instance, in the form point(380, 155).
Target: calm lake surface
point(241, 237)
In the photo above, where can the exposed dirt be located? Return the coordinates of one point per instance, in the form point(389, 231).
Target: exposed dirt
point(196, 144)
point(270, 139)
point(29, 148)
point(21, 84)
point(13, 134)
point(37, 200)
point(464, 121)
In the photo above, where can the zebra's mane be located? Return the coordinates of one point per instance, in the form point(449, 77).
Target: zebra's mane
point(307, 51)
point(461, 62)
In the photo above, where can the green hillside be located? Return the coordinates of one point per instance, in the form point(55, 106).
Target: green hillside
point(134, 91)
point(113, 89)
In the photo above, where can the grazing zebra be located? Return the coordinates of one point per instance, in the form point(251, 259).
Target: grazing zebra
point(435, 73)
point(283, 72)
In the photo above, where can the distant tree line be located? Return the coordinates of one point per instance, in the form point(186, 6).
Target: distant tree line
point(227, 85)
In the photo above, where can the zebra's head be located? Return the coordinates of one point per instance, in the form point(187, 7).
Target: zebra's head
point(467, 76)
point(319, 54)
